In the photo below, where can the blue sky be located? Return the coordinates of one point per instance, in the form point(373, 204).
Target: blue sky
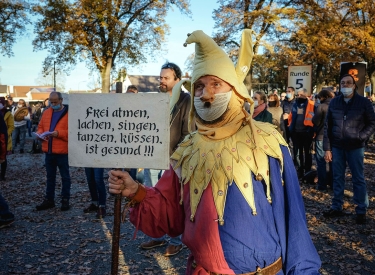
point(23, 68)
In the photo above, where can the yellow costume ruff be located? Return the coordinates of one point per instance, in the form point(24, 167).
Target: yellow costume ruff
point(203, 160)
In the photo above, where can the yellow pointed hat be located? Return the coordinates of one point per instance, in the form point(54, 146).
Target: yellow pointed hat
point(210, 59)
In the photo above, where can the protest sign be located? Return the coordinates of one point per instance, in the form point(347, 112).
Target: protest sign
point(119, 130)
point(300, 77)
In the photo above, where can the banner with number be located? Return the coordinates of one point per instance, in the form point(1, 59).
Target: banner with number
point(300, 77)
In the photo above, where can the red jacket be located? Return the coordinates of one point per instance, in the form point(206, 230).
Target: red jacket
point(59, 143)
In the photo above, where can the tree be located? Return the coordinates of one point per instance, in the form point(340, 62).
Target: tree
point(13, 21)
point(262, 16)
point(104, 33)
point(46, 79)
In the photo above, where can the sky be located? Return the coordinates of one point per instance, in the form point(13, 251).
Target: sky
point(23, 68)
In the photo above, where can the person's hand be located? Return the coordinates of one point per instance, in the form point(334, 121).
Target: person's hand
point(55, 134)
point(121, 182)
point(328, 156)
point(2, 160)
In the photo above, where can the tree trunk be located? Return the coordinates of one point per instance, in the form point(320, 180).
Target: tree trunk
point(105, 75)
point(372, 80)
point(319, 77)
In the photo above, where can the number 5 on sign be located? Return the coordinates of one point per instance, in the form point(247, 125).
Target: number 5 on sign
point(300, 77)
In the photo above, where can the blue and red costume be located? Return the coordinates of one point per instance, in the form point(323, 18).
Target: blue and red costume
point(245, 241)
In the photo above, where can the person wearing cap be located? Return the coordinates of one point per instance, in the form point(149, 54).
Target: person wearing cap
point(232, 189)
point(349, 124)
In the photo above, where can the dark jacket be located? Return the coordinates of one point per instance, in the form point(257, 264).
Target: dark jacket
point(287, 105)
point(179, 121)
point(308, 114)
point(320, 117)
point(348, 125)
point(264, 116)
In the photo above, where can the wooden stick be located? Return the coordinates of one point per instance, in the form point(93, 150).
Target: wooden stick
point(116, 234)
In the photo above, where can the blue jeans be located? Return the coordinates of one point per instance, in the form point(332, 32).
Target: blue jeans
point(19, 131)
point(147, 180)
point(95, 180)
point(355, 159)
point(53, 161)
point(324, 172)
point(29, 124)
point(172, 241)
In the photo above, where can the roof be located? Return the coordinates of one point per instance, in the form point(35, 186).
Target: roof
point(145, 83)
point(21, 91)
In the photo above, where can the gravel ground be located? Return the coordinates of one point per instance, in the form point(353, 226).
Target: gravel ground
point(71, 242)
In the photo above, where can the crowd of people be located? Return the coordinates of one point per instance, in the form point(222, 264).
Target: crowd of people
point(221, 162)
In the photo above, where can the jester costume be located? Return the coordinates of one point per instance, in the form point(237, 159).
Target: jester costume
point(232, 190)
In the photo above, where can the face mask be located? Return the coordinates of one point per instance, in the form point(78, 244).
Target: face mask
point(1, 106)
point(346, 91)
point(318, 101)
point(256, 103)
point(301, 100)
point(288, 95)
point(56, 107)
point(20, 105)
point(217, 108)
point(272, 103)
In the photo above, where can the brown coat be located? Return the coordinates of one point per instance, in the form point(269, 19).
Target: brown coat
point(179, 121)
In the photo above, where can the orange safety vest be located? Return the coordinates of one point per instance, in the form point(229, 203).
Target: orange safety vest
point(308, 115)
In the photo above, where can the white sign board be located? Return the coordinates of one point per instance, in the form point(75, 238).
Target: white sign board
point(119, 130)
point(300, 77)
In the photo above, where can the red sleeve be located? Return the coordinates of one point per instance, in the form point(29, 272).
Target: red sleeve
point(160, 212)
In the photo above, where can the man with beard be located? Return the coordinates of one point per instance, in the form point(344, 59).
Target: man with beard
point(232, 190)
point(170, 75)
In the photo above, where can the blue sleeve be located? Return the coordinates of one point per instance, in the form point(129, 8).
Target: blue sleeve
point(298, 251)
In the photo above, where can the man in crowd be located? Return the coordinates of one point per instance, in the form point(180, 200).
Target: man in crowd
point(302, 131)
point(55, 146)
point(349, 124)
point(287, 104)
point(180, 102)
point(132, 89)
point(320, 114)
point(20, 125)
point(282, 97)
point(233, 190)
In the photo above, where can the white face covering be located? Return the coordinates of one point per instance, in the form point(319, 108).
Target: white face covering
point(1, 106)
point(256, 103)
point(346, 91)
point(20, 105)
point(217, 108)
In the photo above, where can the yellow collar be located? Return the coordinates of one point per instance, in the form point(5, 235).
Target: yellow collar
point(222, 162)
